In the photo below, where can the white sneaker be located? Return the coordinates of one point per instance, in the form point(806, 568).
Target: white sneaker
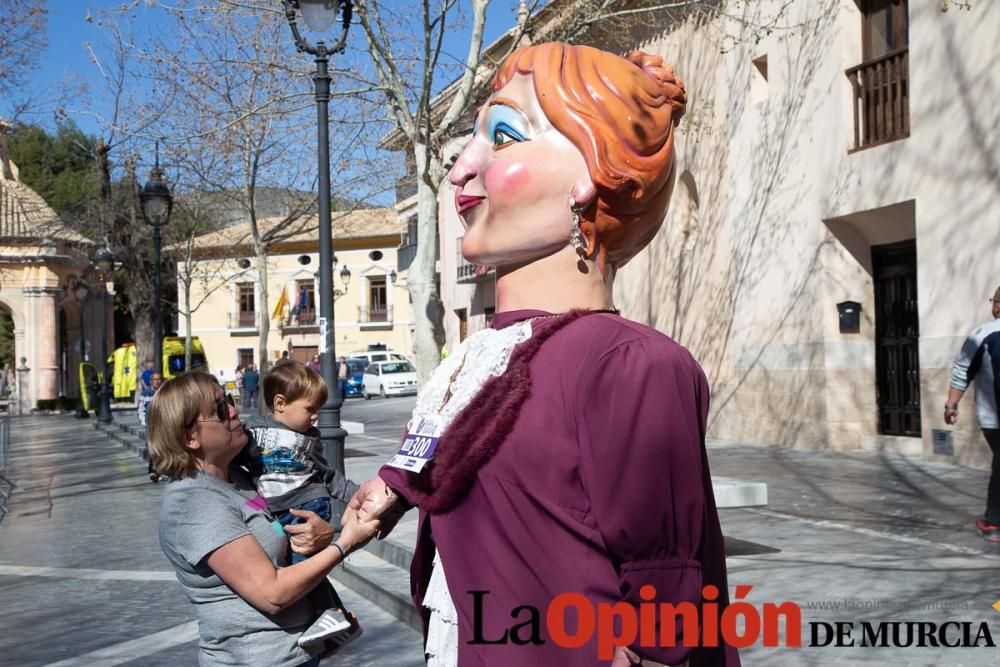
point(335, 628)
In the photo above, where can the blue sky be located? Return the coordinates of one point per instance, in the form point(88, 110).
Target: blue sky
point(66, 65)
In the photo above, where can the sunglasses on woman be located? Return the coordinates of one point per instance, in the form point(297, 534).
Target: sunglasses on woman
point(221, 411)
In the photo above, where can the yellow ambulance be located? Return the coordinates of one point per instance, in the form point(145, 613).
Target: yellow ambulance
point(125, 371)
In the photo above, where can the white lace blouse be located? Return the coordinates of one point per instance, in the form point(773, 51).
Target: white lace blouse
point(452, 386)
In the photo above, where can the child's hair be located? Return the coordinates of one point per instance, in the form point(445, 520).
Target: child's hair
point(293, 380)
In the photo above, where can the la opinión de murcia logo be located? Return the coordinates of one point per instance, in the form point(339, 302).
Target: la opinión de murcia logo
point(740, 625)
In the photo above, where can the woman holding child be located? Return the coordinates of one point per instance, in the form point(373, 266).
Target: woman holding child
point(228, 550)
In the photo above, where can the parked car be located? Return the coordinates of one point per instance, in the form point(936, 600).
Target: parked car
point(389, 378)
point(378, 355)
point(356, 366)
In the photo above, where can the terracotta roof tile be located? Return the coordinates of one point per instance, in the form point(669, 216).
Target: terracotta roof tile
point(359, 223)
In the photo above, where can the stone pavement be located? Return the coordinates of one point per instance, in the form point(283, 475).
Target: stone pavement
point(82, 579)
point(848, 536)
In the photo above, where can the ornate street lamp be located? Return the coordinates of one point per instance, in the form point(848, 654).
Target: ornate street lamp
point(103, 262)
point(345, 277)
point(80, 292)
point(157, 202)
point(319, 16)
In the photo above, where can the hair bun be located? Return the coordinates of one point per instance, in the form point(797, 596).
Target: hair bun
point(663, 74)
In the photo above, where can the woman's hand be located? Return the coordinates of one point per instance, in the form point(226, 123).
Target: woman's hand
point(309, 537)
point(356, 533)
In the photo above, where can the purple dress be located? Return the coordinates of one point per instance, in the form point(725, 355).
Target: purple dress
point(601, 487)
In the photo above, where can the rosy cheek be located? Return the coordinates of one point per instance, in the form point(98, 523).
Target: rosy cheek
point(505, 179)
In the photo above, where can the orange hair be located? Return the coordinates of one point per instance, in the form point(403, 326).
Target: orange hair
point(620, 113)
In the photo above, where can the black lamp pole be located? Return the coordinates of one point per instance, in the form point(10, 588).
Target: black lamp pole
point(103, 262)
point(319, 15)
point(157, 202)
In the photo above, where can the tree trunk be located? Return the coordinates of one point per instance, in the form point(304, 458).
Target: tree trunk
point(264, 314)
point(428, 311)
point(142, 330)
point(187, 325)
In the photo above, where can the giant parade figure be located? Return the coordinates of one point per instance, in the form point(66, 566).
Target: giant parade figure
point(558, 459)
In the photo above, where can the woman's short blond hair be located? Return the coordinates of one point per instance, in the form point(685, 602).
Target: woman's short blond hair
point(175, 408)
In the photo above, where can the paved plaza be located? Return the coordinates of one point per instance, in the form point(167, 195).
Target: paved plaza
point(848, 536)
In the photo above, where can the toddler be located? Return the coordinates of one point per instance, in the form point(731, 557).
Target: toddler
point(286, 447)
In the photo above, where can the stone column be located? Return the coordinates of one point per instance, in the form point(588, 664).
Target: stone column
point(43, 346)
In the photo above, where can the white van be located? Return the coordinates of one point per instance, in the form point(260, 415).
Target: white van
point(377, 355)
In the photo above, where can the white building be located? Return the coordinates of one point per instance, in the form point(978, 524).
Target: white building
point(369, 307)
point(851, 155)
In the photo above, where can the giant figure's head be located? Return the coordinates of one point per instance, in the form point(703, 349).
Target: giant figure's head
point(570, 124)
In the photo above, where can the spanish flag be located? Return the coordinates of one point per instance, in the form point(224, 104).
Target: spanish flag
point(279, 307)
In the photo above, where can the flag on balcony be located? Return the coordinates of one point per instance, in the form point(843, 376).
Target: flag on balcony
point(279, 307)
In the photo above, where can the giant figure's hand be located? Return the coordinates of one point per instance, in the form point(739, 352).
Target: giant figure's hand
point(309, 537)
point(375, 500)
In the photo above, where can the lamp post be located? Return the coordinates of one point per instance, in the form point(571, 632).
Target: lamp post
point(345, 278)
point(319, 16)
point(157, 203)
point(80, 293)
point(103, 262)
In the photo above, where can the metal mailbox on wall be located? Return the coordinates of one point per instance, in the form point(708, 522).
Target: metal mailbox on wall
point(850, 316)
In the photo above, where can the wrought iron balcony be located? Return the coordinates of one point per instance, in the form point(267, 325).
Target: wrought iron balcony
point(305, 319)
point(368, 315)
point(244, 320)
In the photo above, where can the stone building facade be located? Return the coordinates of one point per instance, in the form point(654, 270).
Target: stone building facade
point(842, 166)
point(41, 264)
point(370, 306)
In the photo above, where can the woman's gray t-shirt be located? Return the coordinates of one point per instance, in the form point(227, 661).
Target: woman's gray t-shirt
point(200, 514)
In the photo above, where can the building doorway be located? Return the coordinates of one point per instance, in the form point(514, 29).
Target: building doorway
point(304, 353)
point(897, 332)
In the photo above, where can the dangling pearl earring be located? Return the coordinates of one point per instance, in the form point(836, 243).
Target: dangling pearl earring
point(576, 238)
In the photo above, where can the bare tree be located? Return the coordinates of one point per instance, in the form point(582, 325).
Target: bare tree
point(115, 214)
point(407, 70)
point(197, 217)
point(22, 37)
point(238, 118)
point(408, 64)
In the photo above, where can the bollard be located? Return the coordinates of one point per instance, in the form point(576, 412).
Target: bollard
point(23, 407)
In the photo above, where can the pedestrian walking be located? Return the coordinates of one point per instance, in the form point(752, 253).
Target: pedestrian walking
point(144, 393)
point(221, 539)
point(314, 363)
point(343, 373)
point(239, 380)
point(251, 385)
point(979, 361)
point(155, 381)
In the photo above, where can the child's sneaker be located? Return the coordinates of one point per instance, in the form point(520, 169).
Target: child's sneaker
point(989, 531)
point(335, 628)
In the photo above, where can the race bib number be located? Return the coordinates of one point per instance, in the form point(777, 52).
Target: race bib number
point(419, 444)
